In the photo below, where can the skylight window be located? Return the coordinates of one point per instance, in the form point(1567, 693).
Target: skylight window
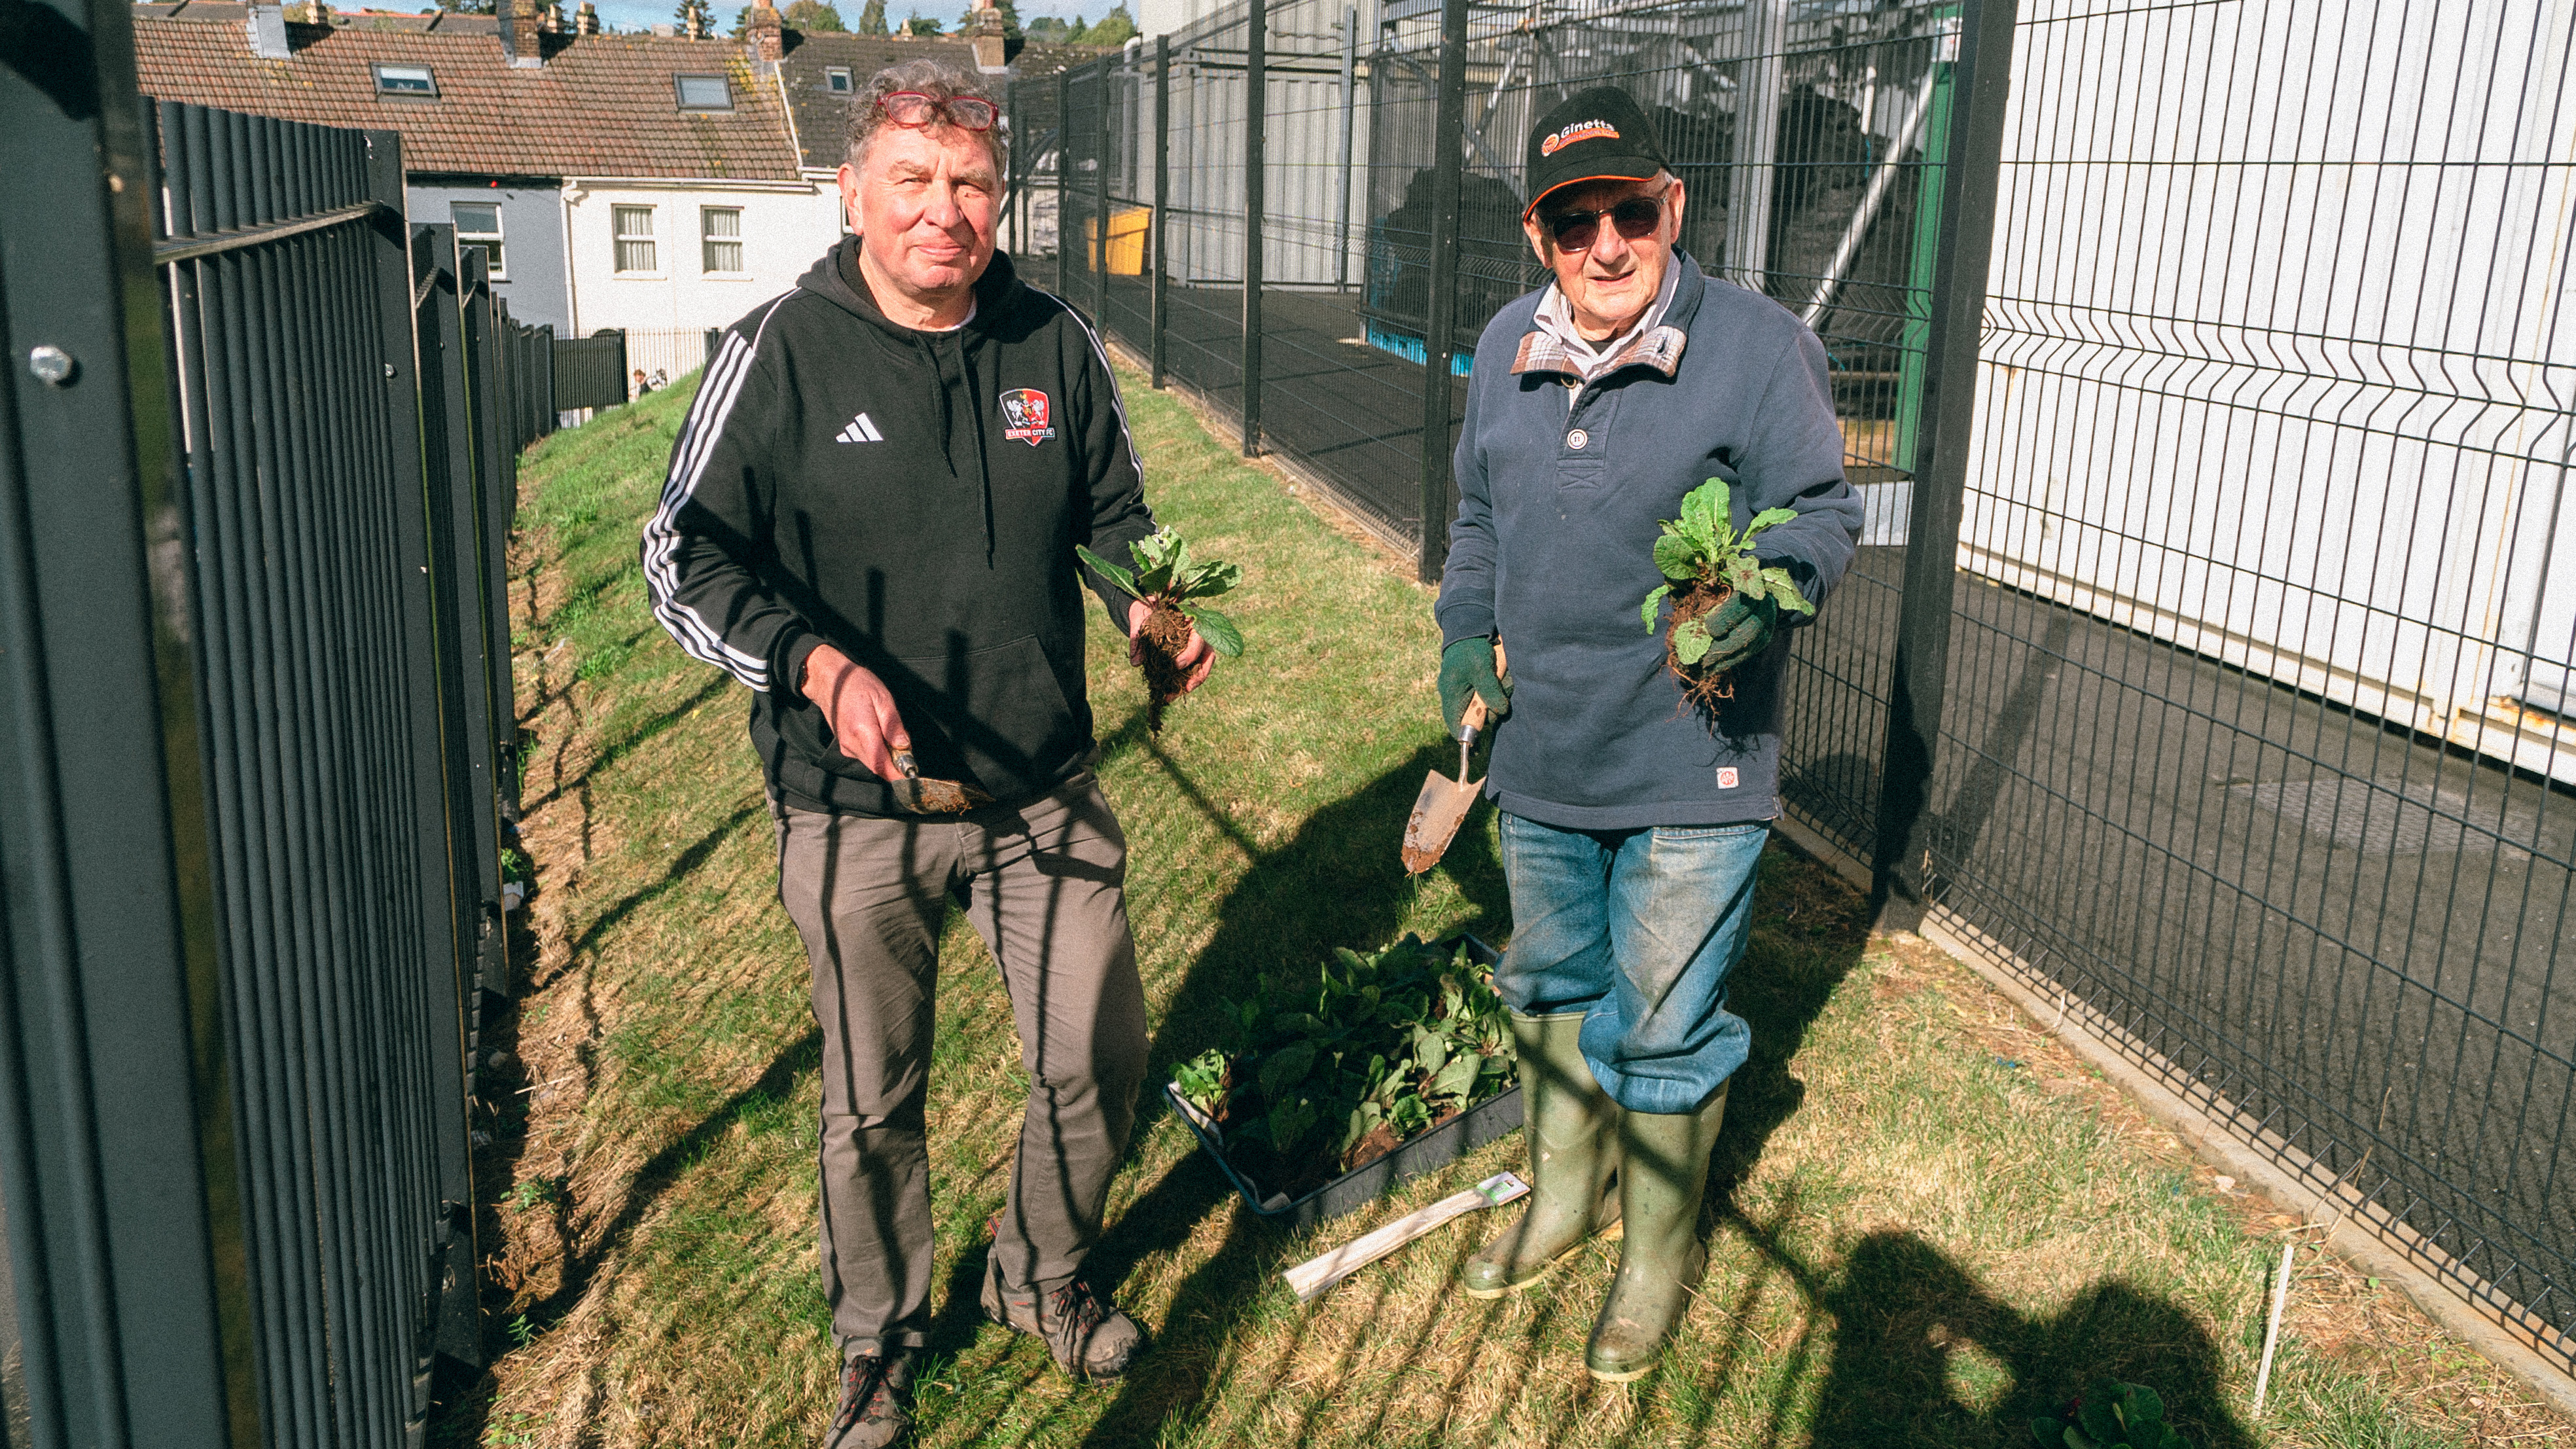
point(838, 77)
point(704, 92)
point(406, 80)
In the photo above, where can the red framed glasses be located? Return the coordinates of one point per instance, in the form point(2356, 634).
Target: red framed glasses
point(912, 110)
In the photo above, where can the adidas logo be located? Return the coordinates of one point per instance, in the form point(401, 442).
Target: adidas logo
point(860, 430)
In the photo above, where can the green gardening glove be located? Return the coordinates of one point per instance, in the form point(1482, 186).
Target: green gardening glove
point(1467, 668)
point(1738, 632)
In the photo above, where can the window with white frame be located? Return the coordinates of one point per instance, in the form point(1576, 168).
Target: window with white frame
point(720, 237)
point(838, 78)
point(478, 224)
point(703, 92)
point(635, 250)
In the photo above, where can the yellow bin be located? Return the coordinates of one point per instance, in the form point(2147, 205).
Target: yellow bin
point(1127, 228)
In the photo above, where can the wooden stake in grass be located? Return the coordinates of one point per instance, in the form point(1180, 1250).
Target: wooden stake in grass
point(1171, 586)
point(1706, 562)
point(2272, 1330)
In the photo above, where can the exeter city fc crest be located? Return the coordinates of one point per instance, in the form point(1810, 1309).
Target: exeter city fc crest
point(1025, 416)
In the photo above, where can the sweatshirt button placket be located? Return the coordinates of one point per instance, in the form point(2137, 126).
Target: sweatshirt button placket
point(1576, 439)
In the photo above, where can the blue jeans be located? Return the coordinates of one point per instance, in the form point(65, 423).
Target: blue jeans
point(1637, 930)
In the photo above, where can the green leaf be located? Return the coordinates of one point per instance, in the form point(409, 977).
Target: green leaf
point(1430, 1049)
point(1677, 558)
point(1286, 1068)
point(1769, 518)
point(2098, 1419)
point(1653, 601)
point(1211, 579)
point(1750, 583)
point(2075, 1439)
point(2049, 1432)
point(1458, 1078)
point(2140, 1405)
point(1784, 589)
point(1709, 507)
point(1216, 629)
point(1691, 641)
point(1110, 571)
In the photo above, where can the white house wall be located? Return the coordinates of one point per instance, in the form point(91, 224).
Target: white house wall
point(2260, 381)
point(785, 228)
point(1301, 139)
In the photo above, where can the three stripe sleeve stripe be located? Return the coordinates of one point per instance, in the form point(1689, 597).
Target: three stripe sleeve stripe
point(699, 433)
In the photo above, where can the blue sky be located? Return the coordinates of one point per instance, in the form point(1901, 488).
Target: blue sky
point(636, 14)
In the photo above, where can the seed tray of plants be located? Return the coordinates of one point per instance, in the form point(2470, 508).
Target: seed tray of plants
point(1327, 1090)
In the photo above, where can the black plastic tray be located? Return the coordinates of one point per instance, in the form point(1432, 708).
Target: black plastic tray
point(1416, 1155)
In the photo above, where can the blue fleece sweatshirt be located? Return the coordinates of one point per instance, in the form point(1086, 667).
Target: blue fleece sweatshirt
point(1553, 551)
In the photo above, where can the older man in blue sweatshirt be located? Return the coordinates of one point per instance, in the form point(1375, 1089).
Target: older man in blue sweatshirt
point(1632, 822)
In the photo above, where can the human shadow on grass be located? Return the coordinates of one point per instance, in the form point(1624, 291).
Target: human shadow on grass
point(1911, 1326)
point(1338, 882)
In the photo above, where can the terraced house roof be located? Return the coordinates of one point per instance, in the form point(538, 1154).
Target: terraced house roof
point(600, 105)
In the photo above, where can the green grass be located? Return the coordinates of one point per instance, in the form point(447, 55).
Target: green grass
point(1928, 1223)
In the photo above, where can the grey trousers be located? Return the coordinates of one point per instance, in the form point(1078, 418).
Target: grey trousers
point(1044, 884)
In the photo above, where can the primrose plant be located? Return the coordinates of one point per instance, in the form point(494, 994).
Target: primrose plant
point(1705, 562)
point(2111, 1416)
point(1174, 589)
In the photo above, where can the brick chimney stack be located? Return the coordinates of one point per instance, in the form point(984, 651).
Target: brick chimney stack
point(988, 40)
point(766, 32)
point(522, 34)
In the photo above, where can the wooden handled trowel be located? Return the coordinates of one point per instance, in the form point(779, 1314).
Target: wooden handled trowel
point(934, 797)
point(1443, 804)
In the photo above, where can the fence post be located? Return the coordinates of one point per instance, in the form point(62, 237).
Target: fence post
point(1256, 101)
point(122, 1192)
point(1757, 143)
point(1905, 886)
point(1099, 250)
point(1162, 184)
point(1447, 176)
point(1342, 202)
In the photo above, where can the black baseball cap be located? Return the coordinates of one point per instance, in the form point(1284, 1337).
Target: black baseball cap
point(1594, 135)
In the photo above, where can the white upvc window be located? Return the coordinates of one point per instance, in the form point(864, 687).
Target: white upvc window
point(478, 224)
point(720, 237)
point(838, 78)
point(406, 80)
point(636, 253)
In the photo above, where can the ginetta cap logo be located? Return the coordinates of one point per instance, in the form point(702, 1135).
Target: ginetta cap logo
point(1026, 416)
point(1579, 131)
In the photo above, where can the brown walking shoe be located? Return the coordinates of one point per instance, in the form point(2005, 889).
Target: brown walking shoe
point(876, 1412)
point(1087, 1334)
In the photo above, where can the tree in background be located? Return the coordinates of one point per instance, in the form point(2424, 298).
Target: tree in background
point(1115, 28)
point(920, 26)
point(819, 16)
point(872, 19)
point(468, 7)
point(1047, 30)
point(1010, 20)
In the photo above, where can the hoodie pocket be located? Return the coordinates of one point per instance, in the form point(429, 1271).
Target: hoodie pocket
point(1005, 716)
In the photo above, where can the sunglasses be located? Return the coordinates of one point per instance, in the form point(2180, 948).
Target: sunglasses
point(1575, 231)
point(912, 110)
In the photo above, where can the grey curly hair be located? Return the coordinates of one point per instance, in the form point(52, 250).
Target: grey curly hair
point(938, 79)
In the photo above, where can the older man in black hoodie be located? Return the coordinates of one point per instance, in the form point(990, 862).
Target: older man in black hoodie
point(870, 521)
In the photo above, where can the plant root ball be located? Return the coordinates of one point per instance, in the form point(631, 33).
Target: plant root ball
point(1165, 635)
point(1697, 600)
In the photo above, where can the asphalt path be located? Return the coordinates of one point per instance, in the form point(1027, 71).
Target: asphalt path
point(2354, 935)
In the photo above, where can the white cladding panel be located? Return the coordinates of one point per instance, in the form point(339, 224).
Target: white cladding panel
point(2260, 380)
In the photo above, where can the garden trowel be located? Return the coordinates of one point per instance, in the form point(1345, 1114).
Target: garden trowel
point(933, 797)
point(1443, 804)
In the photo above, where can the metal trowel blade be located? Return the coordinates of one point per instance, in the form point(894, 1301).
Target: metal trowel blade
point(923, 796)
point(1437, 813)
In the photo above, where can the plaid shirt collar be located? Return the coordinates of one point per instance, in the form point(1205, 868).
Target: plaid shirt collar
point(1554, 346)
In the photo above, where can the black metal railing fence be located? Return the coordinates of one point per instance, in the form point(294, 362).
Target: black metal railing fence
point(257, 470)
point(2207, 661)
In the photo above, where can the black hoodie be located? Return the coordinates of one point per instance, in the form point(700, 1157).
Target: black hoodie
point(912, 498)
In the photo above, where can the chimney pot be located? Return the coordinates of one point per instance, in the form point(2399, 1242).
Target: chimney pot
point(585, 21)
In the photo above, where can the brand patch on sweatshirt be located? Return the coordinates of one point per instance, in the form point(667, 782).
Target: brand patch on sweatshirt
point(1026, 416)
point(1727, 779)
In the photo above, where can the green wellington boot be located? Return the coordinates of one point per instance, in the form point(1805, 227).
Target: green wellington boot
point(1571, 1126)
point(1663, 1171)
